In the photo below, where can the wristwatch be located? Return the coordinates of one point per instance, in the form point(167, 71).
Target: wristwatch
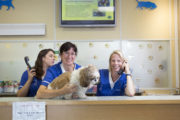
point(128, 75)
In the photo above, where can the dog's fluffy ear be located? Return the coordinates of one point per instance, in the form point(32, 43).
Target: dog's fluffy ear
point(84, 81)
point(61, 80)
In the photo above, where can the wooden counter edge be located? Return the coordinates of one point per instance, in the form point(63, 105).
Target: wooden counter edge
point(108, 102)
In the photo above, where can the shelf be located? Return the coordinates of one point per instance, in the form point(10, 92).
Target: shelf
point(8, 94)
point(22, 29)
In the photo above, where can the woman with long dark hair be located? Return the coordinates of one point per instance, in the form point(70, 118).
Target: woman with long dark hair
point(31, 79)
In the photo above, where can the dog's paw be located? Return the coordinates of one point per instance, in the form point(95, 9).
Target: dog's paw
point(82, 96)
point(68, 97)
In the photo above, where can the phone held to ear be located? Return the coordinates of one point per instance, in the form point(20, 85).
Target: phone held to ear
point(26, 59)
point(121, 71)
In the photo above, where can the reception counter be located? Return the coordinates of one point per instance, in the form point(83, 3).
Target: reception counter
point(103, 108)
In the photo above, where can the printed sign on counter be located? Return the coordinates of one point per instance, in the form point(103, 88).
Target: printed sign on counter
point(29, 111)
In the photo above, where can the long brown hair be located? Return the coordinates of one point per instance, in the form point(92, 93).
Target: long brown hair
point(39, 62)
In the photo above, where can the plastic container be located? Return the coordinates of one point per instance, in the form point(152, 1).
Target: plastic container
point(1, 86)
point(8, 87)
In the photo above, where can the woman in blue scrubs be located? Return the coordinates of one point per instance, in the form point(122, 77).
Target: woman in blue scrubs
point(31, 79)
point(68, 53)
point(117, 80)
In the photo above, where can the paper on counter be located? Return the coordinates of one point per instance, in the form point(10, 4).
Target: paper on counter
point(29, 111)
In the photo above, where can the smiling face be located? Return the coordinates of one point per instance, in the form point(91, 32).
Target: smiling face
point(68, 57)
point(115, 62)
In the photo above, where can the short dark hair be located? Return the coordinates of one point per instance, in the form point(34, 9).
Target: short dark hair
point(67, 46)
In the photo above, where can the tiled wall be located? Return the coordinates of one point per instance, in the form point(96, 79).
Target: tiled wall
point(150, 63)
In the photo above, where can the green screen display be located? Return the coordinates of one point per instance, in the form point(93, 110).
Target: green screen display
point(88, 12)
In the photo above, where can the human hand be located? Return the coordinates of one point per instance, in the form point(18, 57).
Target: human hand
point(69, 88)
point(126, 66)
point(31, 73)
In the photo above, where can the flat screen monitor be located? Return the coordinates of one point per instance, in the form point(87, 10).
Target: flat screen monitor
point(87, 13)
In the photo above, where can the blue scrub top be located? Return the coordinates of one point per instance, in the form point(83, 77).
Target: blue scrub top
point(34, 85)
point(53, 72)
point(104, 88)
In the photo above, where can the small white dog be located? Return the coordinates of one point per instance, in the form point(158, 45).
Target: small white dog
point(83, 77)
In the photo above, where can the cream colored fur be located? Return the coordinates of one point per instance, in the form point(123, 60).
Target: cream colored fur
point(83, 78)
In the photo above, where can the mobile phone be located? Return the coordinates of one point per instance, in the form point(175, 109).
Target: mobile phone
point(26, 59)
point(121, 71)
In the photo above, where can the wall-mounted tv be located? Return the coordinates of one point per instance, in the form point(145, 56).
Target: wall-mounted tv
point(87, 13)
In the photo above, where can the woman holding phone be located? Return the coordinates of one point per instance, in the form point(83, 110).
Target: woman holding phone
point(116, 81)
point(31, 79)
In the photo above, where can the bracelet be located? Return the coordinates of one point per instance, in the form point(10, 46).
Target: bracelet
point(128, 75)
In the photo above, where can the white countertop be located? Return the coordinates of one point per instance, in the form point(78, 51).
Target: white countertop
point(95, 98)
